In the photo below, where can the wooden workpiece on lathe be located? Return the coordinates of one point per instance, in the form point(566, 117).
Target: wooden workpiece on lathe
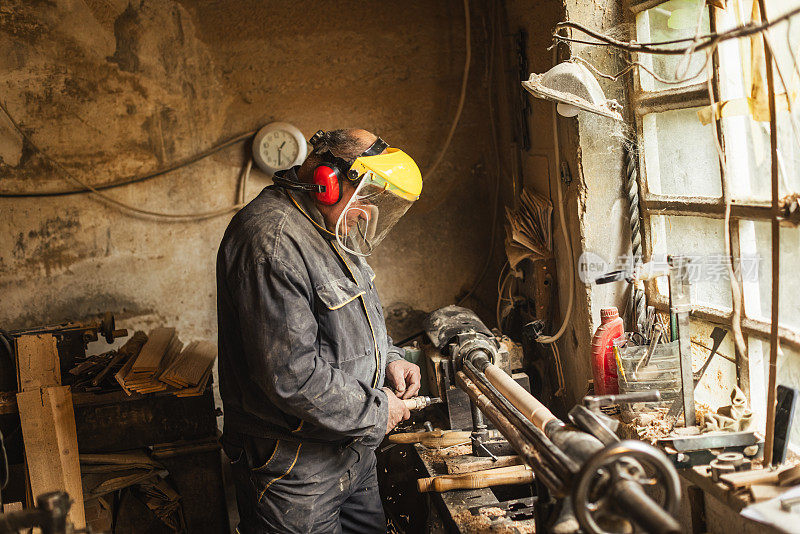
point(503, 476)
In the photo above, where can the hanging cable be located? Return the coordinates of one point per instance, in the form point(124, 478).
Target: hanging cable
point(698, 43)
point(496, 208)
point(135, 210)
point(444, 195)
point(462, 95)
point(123, 181)
point(563, 224)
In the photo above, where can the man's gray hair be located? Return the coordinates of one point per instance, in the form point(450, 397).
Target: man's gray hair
point(347, 144)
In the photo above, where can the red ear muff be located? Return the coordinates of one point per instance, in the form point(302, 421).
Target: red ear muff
point(327, 177)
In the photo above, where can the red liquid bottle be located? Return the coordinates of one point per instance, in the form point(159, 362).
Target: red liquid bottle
point(604, 365)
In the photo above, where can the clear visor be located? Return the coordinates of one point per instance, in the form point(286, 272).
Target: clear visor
point(369, 215)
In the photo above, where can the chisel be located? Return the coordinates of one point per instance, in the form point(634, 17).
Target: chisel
point(418, 403)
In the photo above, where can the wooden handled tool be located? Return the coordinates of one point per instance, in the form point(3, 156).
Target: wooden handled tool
point(503, 476)
point(437, 439)
point(418, 403)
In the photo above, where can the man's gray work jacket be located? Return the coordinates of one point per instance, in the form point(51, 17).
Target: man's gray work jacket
point(303, 346)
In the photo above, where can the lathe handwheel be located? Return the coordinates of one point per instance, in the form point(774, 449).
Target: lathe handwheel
point(616, 466)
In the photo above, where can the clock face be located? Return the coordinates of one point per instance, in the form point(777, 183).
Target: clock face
point(279, 149)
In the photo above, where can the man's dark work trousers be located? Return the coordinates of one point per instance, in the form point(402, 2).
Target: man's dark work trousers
point(293, 487)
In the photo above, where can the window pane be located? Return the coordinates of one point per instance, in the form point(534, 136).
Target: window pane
point(671, 20)
point(714, 390)
point(702, 239)
point(788, 374)
point(755, 242)
point(746, 122)
point(679, 155)
point(749, 163)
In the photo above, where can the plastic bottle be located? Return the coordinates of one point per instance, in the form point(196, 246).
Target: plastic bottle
point(604, 365)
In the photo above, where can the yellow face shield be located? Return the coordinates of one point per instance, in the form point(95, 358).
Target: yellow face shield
point(389, 183)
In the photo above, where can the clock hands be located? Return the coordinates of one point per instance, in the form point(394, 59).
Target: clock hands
point(279, 152)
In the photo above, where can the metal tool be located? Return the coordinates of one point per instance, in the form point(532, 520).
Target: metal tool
point(418, 403)
point(728, 462)
point(72, 338)
point(608, 484)
point(717, 335)
point(681, 305)
point(477, 443)
point(651, 348)
point(49, 515)
point(688, 451)
point(589, 418)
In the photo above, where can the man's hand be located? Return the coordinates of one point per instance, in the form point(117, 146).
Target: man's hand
point(397, 410)
point(404, 377)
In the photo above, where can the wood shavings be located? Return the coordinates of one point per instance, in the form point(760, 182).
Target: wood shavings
point(653, 425)
point(493, 511)
point(491, 519)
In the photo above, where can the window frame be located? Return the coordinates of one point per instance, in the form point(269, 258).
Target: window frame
point(651, 204)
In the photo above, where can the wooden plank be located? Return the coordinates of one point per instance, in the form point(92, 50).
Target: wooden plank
point(469, 464)
point(189, 368)
point(51, 445)
point(152, 353)
point(37, 362)
point(745, 479)
point(764, 492)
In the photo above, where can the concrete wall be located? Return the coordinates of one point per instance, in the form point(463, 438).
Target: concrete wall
point(114, 88)
point(594, 203)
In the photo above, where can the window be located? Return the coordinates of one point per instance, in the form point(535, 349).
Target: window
point(683, 185)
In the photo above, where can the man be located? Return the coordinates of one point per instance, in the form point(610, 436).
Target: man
point(303, 345)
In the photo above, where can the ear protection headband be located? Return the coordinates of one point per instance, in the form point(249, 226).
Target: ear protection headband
point(332, 172)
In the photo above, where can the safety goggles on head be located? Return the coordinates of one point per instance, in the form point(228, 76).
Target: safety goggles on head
point(387, 185)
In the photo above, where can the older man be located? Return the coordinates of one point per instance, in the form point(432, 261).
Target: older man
point(303, 345)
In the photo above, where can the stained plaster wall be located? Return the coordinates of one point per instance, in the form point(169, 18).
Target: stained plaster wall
point(594, 202)
point(114, 88)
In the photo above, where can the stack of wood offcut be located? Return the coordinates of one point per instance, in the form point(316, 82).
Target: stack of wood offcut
point(161, 365)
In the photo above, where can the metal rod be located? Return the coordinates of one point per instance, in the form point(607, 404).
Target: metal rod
point(643, 510)
point(565, 465)
point(681, 306)
point(528, 452)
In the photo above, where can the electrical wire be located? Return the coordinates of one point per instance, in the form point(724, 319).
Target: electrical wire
point(736, 289)
point(496, 208)
point(456, 118)
point(135, 210)
point(245, 176)
point(698, 42)
point(462, 95)
point(500, 299)
point(559, 370)
point(570, 255)
point(123, 181)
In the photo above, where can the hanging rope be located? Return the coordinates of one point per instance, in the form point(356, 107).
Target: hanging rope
point(632, 190)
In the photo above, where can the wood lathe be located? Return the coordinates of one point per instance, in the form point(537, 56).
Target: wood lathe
point(583, 470)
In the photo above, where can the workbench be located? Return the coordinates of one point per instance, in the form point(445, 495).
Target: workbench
point(185, 427)
point(478, 510)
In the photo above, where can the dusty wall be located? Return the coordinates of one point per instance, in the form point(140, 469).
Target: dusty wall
point(111, 89)
point(593, 201)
